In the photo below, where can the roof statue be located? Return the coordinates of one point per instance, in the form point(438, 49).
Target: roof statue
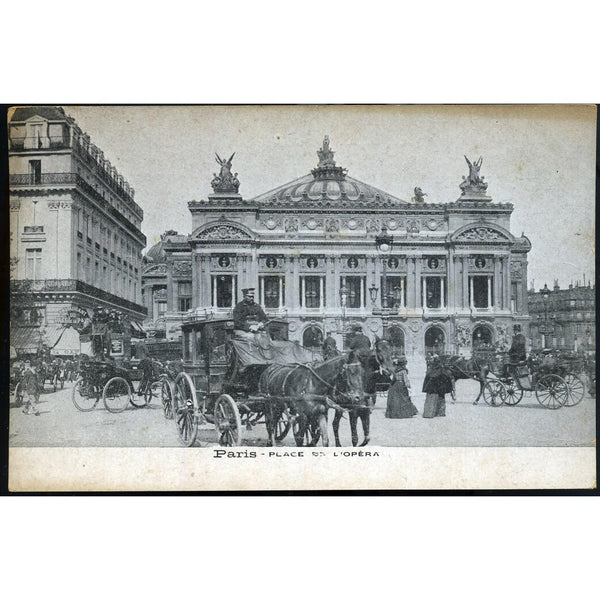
point(326, 168)
point(225, 181)
point(325, 154)
point(474, 187)
point(419, 197)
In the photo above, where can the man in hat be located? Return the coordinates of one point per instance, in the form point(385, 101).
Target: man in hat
point(518, 350)
point(359, 342)
point(248, 316)
point(329, 347)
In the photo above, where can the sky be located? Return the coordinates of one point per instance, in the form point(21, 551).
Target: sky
point(540, 158)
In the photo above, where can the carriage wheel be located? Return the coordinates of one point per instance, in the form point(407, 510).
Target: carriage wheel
point(494, 392)
point(166, 396)
point(576, 389)
point(116, 395)
point(140, 400)
point(227, 421)
point(84, 396)
point(19, 395)
point(282, 427)
point(551, 391)
point(514, 394)
point(184, 409)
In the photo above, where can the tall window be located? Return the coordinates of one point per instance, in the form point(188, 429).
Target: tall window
point(396, 291)
point(79, 265)
point(355, 290)
point(481, 291)
point(184, 293)
point(434, 292)
point(35, 171)
point(312, 291)
point(272, 291)
point(33, 263)
point(224, 291)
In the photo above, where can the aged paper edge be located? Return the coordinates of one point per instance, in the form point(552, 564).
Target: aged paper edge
point(183, 469)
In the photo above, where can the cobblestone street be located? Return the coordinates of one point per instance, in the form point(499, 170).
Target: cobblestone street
point(527, 424)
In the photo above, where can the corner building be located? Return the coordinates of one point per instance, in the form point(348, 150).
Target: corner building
point(454, 277)
point(75, 227)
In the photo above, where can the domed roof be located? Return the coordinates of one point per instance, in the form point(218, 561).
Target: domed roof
point(327, 182)
point(156, 254)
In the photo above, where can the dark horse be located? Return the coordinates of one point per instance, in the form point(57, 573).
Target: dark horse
point(461, 367)
point(309, 391)
point(378, 367)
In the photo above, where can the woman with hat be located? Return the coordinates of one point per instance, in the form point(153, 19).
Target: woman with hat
point(437, 383)
point(399, 405)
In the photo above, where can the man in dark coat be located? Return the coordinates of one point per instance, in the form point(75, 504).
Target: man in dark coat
point(518, 348)
point(248, 316)
point(360, 343)
point(329, 347)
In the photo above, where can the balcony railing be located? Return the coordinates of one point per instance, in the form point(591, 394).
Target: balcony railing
point(33, 229)
point(27, 179)
point(75, 285)
point(22, 144)
point(42, 178)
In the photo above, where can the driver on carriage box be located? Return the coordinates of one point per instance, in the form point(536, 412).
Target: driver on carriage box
point(248, 316)
point(518, 349)
point(359, 342)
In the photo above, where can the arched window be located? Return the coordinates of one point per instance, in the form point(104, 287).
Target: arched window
point(435, 340)
point(482, 336)
point(312, 337)
point(395, 335)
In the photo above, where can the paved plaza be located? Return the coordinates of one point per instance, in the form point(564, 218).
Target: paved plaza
point(527, 424)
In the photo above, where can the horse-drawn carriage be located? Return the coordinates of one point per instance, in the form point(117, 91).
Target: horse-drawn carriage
point(236, 382)
point(553, 379)
point(116, 381)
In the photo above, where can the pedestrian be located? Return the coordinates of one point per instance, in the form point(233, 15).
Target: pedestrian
point(437, 383)
point(330, 347)
point(31, 390)
point(399, 404)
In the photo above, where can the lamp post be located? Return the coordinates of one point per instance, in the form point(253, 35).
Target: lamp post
point(384, 243)
point(545, 296)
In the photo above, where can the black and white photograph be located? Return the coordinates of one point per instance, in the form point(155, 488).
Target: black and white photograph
point(258, 286)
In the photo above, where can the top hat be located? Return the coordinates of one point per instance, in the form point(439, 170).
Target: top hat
point(248, 291)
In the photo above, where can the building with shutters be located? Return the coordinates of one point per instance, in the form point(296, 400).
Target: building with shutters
point(76, 236)
point(563, 318)
point(452, 275)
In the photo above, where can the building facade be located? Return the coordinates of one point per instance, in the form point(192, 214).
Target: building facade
point(167, 285)
point(563, 318)
point(451, 276)
point(76, 235)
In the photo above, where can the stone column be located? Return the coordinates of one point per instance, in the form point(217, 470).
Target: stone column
point(331, 282)
point(170, 290)
point(507, 282)
point(465, 282)
point(195, 280)
point(451, 282)
point(418, 283)
point(498, 299)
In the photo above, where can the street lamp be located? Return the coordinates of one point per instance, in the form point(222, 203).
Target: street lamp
point(384, 243)
point(545, 296)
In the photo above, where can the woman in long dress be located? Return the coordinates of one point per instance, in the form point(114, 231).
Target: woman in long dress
point(399, 405)
point(437, 383)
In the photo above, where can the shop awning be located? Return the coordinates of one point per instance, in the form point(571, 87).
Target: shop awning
point(25, 340)
point(137, 331)
point(68, 344)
